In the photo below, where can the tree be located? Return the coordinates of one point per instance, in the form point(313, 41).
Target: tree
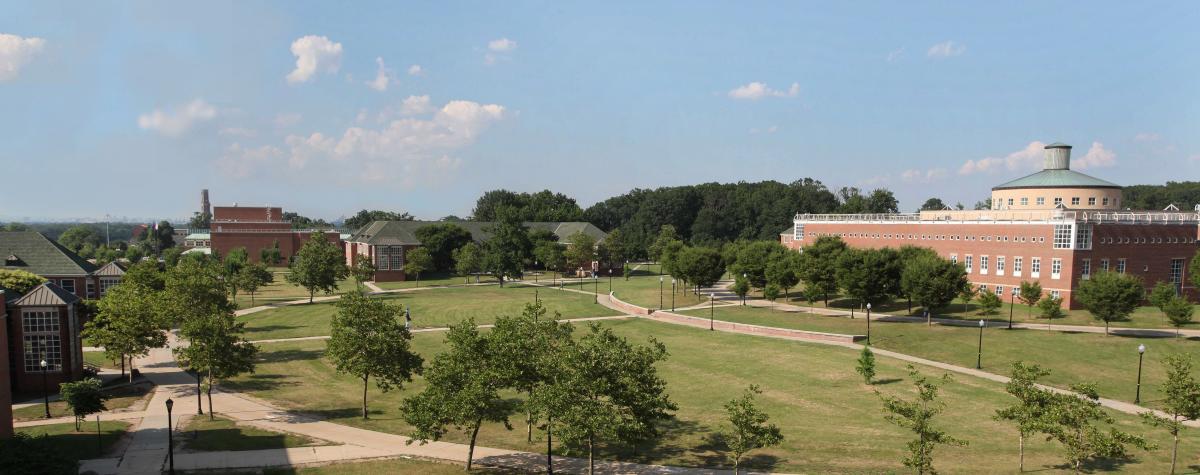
point(233, 263)
point(741, 287)
point(818, 265)
point(989, 303)
point(1072, 419)
point(580, 252)
point(699, 266)
point(917, 416)
point(252, 277)
point(550, 255)
point(1179, 312)
point(866, 364)
point(618, 246)
point(1194, 269)
point(541, 206)
point(20, 281)
point(128, 323)
point(1110, 296)
point(1182, 401)
point(966, 295)
point(933, 204)
point(362, 271)
point(605, 389)
point(216, 349)
point(35, 454)
point(505, 253)
point(83, 397)
point(441, 240)
point(318, 266)
point(200, 220)
point(271, 255)
point(750, 427)
point(416, 261)
point(984, 204)
point(1030, 294)
point(463, 391)
point(1161, 294)
point(159, 237)
point(753, 260)
point(932, 282)
point(771, 292)
point(468, 260)
point(365, 217)
point(368, 340)
point(1050, 307)
point(171, 255)
point(783, 272)
point(80, 235)
point(522, 346)
point(1030, 411)
point(863, 274)
point(666, 234)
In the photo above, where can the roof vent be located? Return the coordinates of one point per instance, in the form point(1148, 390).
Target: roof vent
point(12, 260)
point(1058, 156)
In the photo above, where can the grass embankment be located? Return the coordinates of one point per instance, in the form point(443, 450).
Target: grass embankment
point(832, 422)
point(204, 435)
point(80, 445)
point(122, 397)
point(429, 308)
point(384, 466)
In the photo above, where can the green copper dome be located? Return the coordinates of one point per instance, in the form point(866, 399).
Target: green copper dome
point(1057, 178)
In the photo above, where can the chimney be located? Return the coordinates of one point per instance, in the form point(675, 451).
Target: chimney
point(205, 207)
point(1058, 156)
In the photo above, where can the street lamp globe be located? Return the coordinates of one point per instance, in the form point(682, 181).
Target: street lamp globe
point(170, 404)
point(1141, 349)
point(981, 324)
point(43, 363)
point(868, 305)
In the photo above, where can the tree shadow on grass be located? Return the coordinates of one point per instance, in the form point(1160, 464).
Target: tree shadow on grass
point(660, 449)
point(1102, 464)
point(881, 382)
point(259, 382)
point(211, 440)
point(281, 356)
point(714, 452)
point(269, 328)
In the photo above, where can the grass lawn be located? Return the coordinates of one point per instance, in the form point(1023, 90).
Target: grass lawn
point(1109, 361)
point(642, 289)
point(429, 308)
point(383, 466)
point(831, 421)
point(96, 358)
point(281, 290)
point(429, 279)
point(204, 435)
point(81, 445)
point(122, 397)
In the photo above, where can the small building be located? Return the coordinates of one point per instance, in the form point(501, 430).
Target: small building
point(199, 238)
point(44, 324)
point(259, 227)
point(385, 243)
point(35, 253)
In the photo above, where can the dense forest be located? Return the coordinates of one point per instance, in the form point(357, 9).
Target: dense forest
point(1184, 194)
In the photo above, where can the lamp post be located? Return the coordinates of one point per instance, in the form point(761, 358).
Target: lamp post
point(711, 310)
point(535, 272)
point(170, 439)
point(199, 404)
point(1012, 302)
point(1137, 398)
point(595, 288)
point(45, 387)
point(747, 289)
point(610, 280)
point(868, 323)
point(660, 289)
point(672, 295)
point(979, 355)
point(625, 270)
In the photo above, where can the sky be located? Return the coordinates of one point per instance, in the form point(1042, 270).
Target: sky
point(129, 109)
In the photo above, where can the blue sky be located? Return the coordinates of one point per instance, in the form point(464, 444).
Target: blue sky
point(129, 108)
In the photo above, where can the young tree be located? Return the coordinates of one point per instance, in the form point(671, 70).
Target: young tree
point(464, 383)
point(1032, 406)
point(1030, 294)
point(362, 271)
point(20, 281)
point(1162, 293)
point(666, 234)
point(416, 261)
point(933, 282)
point(1182, 401)
point(771, 293)
point(699, 266)
point(1110, 296)
point(1072, 422)
point(966, 295)
point(467, 260)
point(1179, 312)
point(216, 349)
point(580, 252)
point(812, 295)
point(782, 272)
point(367, 339)
point(863, 275)
point(750, 427)
point(741, 287)
point(1050, 307)
point(318, 266)
point(866, 364)
point(753, 260)
point(83, 397)
point(917, 416)
point(271, 255)
point(252, 277)
point(128, 323)
point(989, 303)
point(605, 389)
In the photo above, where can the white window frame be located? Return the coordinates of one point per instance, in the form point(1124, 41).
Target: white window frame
point(108, 283)
point(999, 265)
point(983, 265)
point(1017, 264)
point(969, 263)
point(40, 327)
point(1104, 265)
point(1085, 268)
point(1035, 267)
point(1121, 265)
point(1055, 268)
point(1000, 291)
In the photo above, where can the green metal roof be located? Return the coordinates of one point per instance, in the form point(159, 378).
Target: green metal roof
point(1057, 179)
point(403, 233)
point(195, 236)
point(36, 253)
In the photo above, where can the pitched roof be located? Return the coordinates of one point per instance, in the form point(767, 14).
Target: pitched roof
point(34, 252)
point(112, 269)
point(47, 294)
point(403, 233)
point(1057, 179)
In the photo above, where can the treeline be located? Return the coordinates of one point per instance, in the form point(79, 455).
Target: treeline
point(116, 231)
point(1184, 194)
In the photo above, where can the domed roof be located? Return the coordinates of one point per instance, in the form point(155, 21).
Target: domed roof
point(1057, 178)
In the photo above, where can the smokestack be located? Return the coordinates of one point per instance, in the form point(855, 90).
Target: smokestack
point(205, 208)
point(1058, 156)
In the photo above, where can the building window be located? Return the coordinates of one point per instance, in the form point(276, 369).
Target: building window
point(1056, 294)
point(1177, 272)
point(983, 288)
point(39, 321)
point(1035, 267)
point(1017, 262)
point(1103, 265)
point(1083, 236)
point(968, 263)
point(1000, 265)
point(1000, 290)
point(397, 257)
point(381, 258)
point(1062, 236)
point(798, 232)
point(38, 347)
point(1105, 201)
point(1010, 202)
point(1057, 201)
point(107, 283)
point(983, 264)
point(1091, 201)
point(1041, 200)
point(1086, 268)
point(67, 285)
point(1055, 268)
point(1074, 201)
point(1121, 265)
point(954, 258)
point(91, 289)
point(1024, 201)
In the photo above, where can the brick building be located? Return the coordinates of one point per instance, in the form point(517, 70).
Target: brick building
point(256, 228)
point(1056, 226)
point(6, 426)
point(385, 243)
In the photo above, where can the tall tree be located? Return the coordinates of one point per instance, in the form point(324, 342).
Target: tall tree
point(368, 340)
point(365, 217)
point(1073, 419)
point(933, 204)
point(505, 253)
point(80, 235)
point(1110, 296)
point(580, 251)
point(666, 234)
point(544, 205)
point(468, 260)
point(1181, 401)
point(463, 389)
point(754, 258)
point(522, 345)
point(416, 261)
point(750, 427)
point(917, 416)
point(699, 266)
point(818, 265)
point(128, 324)
point(441, 240)
point(1030, 411)
point(233, 262)
point(216, 350)
point(933, 282)
point(863, 274)
point(1030, 294)
point(318, 266)
point(362, 271)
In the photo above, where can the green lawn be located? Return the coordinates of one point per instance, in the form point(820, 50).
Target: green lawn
point(832, 422)
point(204, 435)
point(642, 289)
point(96, 358)
point(122, 397)
point(1109, 361)
point(429, 279)
point(429, 308)
point(383, 466)
point(281, 290)
point(81, 445)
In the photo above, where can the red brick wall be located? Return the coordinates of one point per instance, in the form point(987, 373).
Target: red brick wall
point(1150, 260)
point(72, 360)
point(6, 427)
point(289, 242)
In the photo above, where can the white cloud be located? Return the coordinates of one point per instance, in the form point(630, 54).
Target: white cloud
point(923, 176)
point(1096, 157)
point(241, 162)
point(946, 49)
point(383, 76)
point(314, 54)
point(757, 90)
point(1146, 137)
point(1027, 158)
point(416, 105)
point(287, 120)
point(416, 70)
point(179, 120)
point(895, 55)
point(502, 45)
point(15, 53)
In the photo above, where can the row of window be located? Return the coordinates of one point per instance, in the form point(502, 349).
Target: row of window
point(41, 339)
point(1075, 200)
point(1018, 265)
point(933, 237)
point(1014, 290)
point(105, 284)
point(1143, 240)
point(389, 257)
